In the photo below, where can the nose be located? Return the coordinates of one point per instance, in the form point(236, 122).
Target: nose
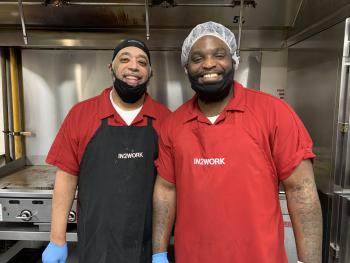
point(209, 63)
point(133, 66)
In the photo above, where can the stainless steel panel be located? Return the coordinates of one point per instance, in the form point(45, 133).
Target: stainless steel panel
point(30, 178)
point(316, 15)
point(101, 25)
point(12, 166)
point(339, 232)
point(25, 196)
point(161, 39)
point(104, 15)
point(344, 255)
point(289, 240)
point(30, 210)
point(340, 242)
point(314, 69)
point(54, 80)
point(12, 231)
point(344, 109)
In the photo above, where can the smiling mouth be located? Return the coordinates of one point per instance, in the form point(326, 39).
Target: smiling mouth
point(211, 77)
point(132, 79)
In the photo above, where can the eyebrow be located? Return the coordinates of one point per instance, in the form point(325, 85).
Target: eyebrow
point(129, 54)
point(200, 52)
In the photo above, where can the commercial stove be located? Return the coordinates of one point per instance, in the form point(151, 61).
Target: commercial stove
point(25, 204)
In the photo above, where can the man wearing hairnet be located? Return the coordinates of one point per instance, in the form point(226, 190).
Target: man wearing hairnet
point(221, 158)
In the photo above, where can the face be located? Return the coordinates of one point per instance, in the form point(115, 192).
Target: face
point(209, 59)
point(131, 65)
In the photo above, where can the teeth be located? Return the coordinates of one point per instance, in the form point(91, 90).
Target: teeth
point(212, 75)
point(132, 77)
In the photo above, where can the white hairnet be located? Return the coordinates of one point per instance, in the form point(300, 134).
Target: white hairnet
point(213, 29)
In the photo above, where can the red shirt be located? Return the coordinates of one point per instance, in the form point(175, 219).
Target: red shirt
point(82, 122)
point(227, 177)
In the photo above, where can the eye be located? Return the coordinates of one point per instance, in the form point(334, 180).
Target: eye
point(220, 55)
point(196, 59)
point(124, 60)
point(143, 63)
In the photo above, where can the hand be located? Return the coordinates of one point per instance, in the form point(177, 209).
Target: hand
point(55, 253)
point(160, 257)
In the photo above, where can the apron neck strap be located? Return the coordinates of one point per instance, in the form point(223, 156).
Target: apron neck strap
point(105, 122)
point(149, 121)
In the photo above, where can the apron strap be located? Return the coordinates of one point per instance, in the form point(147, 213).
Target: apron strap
point(105, 122)
point(149, 121)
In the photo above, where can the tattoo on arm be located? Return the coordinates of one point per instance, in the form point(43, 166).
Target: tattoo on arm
point(164, 205)
point(305, 212)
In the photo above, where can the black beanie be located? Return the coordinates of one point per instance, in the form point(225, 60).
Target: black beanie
point(132, 43)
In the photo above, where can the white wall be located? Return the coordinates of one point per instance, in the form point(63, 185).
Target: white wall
point(274, 72)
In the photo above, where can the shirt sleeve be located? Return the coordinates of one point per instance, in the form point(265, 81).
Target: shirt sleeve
point(291, 143)
point(165, 161)
point(64, 150)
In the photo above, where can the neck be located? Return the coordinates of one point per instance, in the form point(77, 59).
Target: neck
point(211, 109)
point(126, 106)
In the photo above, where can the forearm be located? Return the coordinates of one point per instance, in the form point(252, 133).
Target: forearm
point(63, 196)
point(164, 207)
point(305, 212)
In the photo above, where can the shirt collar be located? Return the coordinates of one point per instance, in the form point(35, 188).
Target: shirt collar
point(106, 108)
point(236, 103)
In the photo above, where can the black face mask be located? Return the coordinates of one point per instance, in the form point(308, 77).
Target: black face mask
point(213, 92)
point(128, 93)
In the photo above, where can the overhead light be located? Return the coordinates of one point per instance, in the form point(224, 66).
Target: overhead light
point(163, 3)
point(56, 3)
point(246, 3)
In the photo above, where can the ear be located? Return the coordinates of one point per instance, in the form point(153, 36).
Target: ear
point(150, 72)
point(186, 71)
point(110, 66)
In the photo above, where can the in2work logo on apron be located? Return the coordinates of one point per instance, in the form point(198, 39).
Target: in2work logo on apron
point(130, 155)
point(209, 161)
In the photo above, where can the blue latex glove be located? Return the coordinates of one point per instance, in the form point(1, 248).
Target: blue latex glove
point(160, 257)
point(55, 253)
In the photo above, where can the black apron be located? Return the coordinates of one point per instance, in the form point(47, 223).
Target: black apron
point(115, 190)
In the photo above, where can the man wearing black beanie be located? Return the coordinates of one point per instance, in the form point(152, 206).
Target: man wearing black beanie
point(106, 146)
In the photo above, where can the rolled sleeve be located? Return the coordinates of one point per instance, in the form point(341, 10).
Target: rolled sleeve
point(64, 150)
point(291, 142)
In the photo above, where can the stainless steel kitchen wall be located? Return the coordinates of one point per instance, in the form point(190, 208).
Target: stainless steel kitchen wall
point(314, 69)
point(54, 80)
point(318, 89)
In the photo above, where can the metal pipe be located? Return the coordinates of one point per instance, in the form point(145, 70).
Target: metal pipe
point(5, 105)
point(147, 19)
point(24, 3)
point(140, 4)
point(240, 27)
point(15, 103)
point(21, 101)
point(20, 9)
point(10, 109)
point(297, 13)
point(205, 5)
point(105, 4)
point(122, 4)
